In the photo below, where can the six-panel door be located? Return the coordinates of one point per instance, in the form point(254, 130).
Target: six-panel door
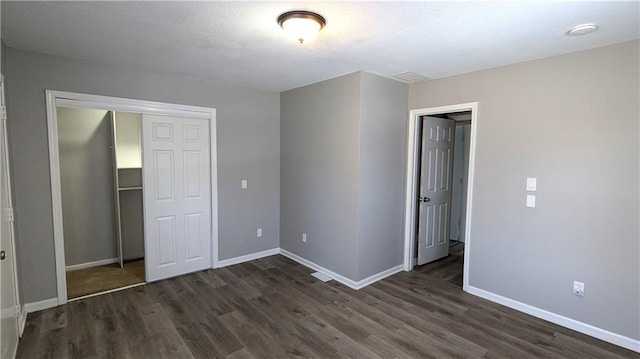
point(435, 188)
point(177, 195)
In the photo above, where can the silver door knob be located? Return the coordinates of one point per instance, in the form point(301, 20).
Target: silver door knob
point(3, 255)
point(424, 199)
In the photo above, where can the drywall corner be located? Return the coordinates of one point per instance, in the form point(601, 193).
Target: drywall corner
point(383, 123)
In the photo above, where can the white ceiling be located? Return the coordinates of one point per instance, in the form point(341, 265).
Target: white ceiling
point(241, 43)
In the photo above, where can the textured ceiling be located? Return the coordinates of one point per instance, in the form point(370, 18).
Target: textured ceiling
point(241, 43)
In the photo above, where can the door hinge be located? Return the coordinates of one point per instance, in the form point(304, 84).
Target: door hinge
point(3, 112)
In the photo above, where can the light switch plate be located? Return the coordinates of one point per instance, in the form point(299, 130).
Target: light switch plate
point(244, 184)
point(531, 201)
point(531, 184)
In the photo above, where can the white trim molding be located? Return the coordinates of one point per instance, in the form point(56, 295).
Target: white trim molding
point(41, 305)
point(588, 329)
point(340, 278)
point(22, 321)
point(411, 189)
point(71, 99)
point(248, 257)
point(101, 262)
point(379, 276)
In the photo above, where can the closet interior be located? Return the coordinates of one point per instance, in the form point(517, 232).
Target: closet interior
point(102, 205)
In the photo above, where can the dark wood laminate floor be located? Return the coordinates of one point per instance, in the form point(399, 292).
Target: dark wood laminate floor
point(448, 269)
point(273, 308)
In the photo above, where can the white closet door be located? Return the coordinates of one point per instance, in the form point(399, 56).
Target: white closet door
point(177, 195)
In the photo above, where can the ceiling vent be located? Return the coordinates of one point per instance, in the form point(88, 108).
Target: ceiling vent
point(410, 77)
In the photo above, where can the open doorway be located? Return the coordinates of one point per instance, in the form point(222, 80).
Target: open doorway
point(441, 147)
point(443, 175)
point(101, 185)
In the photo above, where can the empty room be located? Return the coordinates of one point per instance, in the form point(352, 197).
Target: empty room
point(270, 179)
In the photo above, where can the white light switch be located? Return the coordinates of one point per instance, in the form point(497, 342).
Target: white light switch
point(259, 232)
point(244, 184)
point(531, 184)
point(531, 201)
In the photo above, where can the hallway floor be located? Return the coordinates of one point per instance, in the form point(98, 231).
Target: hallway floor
point(448, 269)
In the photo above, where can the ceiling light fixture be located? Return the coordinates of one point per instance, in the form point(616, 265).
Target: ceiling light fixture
point(582, 29)
point(302, 25)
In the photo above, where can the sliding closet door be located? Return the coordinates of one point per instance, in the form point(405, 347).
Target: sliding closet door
point(177, 195)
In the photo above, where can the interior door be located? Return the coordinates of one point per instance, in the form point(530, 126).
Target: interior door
point(177, 195)
point(435, 188)
point(8, 294)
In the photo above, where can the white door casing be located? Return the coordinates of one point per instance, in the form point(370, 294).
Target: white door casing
point(73, 99)
point(412, 178)
point(9, 307)
point(435, 188)
point(177, 198)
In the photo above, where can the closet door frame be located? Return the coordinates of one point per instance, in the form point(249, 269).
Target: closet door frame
point(71, 99)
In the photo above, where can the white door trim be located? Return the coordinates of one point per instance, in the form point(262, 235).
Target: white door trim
point(411, 189)
point(71, 99)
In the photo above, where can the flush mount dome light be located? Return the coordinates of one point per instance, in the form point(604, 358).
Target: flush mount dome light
point(582, 29)
point(302, 25)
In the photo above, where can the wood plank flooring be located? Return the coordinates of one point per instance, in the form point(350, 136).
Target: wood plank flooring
point(449, 268)
point(273, 308)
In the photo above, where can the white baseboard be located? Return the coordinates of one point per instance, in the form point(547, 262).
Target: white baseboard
point(248, 257)
point(41, 305)
point(607, 336)
point(92, 264)
point(102, 262)
point(379, 276)
point(22, 321)
point(305, 262)
point(340, 278)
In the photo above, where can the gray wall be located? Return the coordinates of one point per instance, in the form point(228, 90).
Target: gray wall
point(319, 172)
point(383, 126)
point(342, 173)
point(572, 122)
point(86, 183)
point(3, 62)
point(248, 148)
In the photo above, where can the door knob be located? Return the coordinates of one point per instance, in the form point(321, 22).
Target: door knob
point(3, 255)
point(424, 199)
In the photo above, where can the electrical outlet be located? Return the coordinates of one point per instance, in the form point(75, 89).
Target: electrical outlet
point(304, 237)
point(578, 288)
point(259, 232)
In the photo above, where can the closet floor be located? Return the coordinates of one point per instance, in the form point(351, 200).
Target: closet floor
point(98, 279)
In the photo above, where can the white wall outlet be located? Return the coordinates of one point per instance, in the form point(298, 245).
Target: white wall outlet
point(243, 184)
point(531, 201)
point(531, 184)
point(578, 288)
point(259, 233)
point(304, 237)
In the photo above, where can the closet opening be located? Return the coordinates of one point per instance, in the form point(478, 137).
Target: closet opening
point(100, 156)
point(133, 191)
